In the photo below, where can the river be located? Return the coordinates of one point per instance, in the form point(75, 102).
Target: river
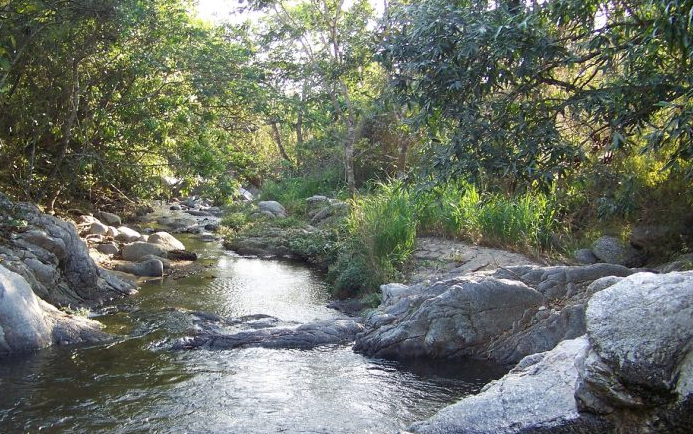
point(136, 384)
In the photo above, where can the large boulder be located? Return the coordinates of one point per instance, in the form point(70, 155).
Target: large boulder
point(632, 371)
point(98, 228)
point(136, 251)
point(641, 336)
point(167, 241)
point(505, 315)
point(535, 397)
point(74, 279)
point(613, 251)
point(28, 323)
point(147, 268)
point(272, 207)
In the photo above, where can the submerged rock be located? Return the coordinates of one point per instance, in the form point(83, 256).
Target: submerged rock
point(306, 336)
point(28, 323)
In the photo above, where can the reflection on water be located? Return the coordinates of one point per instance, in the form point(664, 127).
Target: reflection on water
point(126, 386)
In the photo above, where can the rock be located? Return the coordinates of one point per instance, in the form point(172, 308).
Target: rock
point(305, 337)
point(76, 280)
point(613, 251)
point(197, 213)
point(632, 372)
point(351, 307)
point(212, 227)
point(585, 256)
point(651, 237)
point(502, 315)
point(316, 202)
point(167, 241)
point(136, 251)
point(640, 331)
point(110, 249)
point(28, 323)
point(682, 263)
point(164, 261)
point(191, 202)
point(147, 268)
point(112, 232)
point(175, 208)
point(535, 397)
point(182, 255)
point(128, 235)
point(109, 218)
point(272, 207)
point(463, 317)
point(97, 228)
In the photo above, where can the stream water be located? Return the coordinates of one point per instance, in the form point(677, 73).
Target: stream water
point(134, 384)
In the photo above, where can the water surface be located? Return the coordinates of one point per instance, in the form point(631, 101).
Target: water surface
point(134, 384)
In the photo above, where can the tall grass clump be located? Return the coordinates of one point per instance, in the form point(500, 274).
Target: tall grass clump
point(292, 192)
point(382, 230)
point(459, 210)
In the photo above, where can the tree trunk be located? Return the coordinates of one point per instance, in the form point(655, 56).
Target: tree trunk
point(278, 140)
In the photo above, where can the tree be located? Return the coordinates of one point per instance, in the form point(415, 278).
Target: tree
point(530, 93)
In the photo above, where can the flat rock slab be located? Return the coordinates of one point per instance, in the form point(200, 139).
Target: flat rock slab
point(304, 337)
point(436, 258)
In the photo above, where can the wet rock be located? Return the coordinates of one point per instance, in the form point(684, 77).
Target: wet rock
point(175, 208)
point(28, 323)
point(136, 251)
point(127, 235)
point(586, 257)
point(109, 218)
point(110, 249)
point(182, 255)
point(272, 207)
point(148, 268)
point(352, 307)
point(613, 251)
point(306, 336)
point(167, 241)
point(198, 213)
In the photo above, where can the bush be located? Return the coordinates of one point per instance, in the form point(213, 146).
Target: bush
point(235, 221)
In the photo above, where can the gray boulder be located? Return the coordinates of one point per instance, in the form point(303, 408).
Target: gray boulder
point(98, 228)
point(164, 261)
point(272, 207)
point(505, 315)
point(631, 373)
point(75, 279)
point(536, 396)
point(167, 241)
point(109, 218)
point(613, 251)
point(640, 331)
point(28, 323)
point(148, 268)
point(136, 251)
point(127, 235)
point(110, 249)
point(112, 232)
point(306, 336)
point(586, 257)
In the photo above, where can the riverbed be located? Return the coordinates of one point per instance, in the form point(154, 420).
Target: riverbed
point(137, 384)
